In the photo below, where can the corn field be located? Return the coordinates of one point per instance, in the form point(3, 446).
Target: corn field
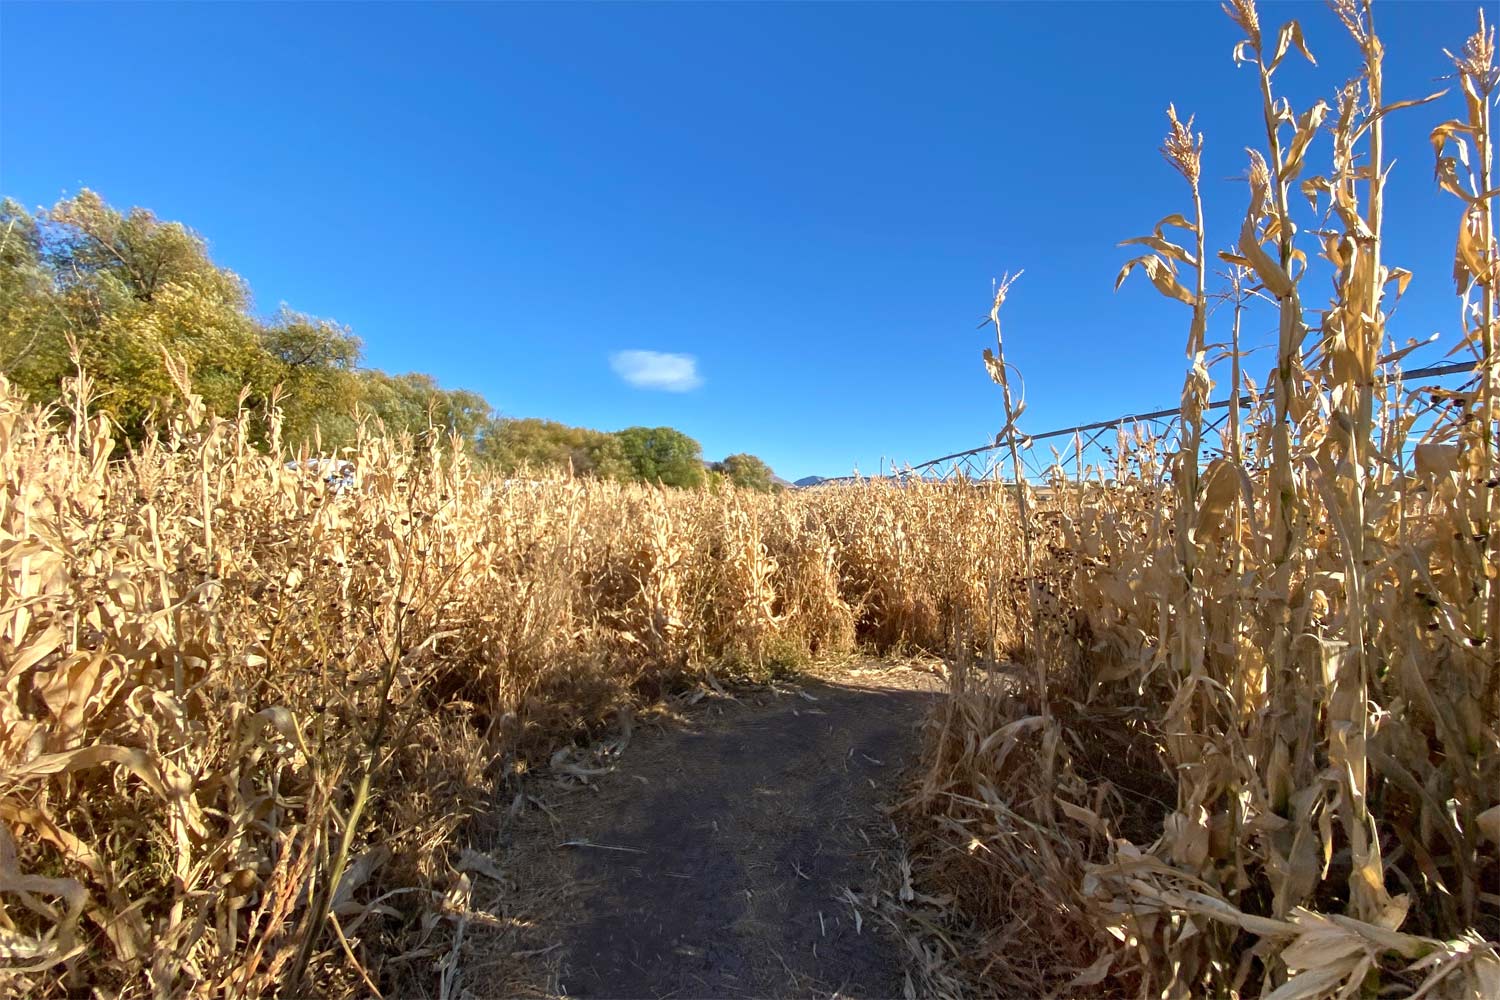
point(1225, 712)
point(1259, 754)
point(251, 719)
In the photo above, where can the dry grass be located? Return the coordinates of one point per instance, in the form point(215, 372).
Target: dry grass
point(249, 725)
point(1217, 728)
point(1265, 758)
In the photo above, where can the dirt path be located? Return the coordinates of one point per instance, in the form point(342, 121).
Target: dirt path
point(716, 859)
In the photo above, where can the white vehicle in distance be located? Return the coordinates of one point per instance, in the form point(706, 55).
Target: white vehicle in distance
point(336, 473)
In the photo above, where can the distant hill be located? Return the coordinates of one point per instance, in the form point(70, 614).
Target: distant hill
point(810, 481)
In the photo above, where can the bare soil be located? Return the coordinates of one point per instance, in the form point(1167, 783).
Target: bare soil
point(725, 852)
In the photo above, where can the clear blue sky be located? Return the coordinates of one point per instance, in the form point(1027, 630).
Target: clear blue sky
point(809, 200)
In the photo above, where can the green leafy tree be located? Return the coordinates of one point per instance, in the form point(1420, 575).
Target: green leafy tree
point(603, 457)
point(129, 289)
point(414, 403)
point(663, 455)
point(747, 472)
point(531, 443)
point(126, 288)
point(33, 322)
point(91, 245)
point(315, 361)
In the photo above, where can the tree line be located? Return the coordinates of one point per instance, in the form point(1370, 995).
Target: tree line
point(125, 289)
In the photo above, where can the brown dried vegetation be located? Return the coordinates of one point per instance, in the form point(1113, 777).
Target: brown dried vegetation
point(249, 721)
point(1265, 759)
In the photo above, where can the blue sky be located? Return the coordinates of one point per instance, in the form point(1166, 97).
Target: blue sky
point(810, 201)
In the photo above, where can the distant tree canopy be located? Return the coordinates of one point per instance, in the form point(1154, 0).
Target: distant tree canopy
point(663, 455)
point(747, 472)
point(128, 288)
point(540, 444)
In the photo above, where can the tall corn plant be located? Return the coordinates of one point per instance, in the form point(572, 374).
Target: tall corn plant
point(1465, 725)
point(1353, 332)
point(1268, 223)
point(1011, 435)
point(1194, 735)
point(1184, 152)
point(1464, 149)
point(1289, 802)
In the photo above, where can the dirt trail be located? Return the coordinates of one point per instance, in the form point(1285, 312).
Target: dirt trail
point(721, 849)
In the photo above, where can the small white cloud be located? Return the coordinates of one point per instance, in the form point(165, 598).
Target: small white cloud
point(655, 370)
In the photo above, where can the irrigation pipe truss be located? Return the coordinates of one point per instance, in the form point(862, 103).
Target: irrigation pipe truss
point(1435, 371)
